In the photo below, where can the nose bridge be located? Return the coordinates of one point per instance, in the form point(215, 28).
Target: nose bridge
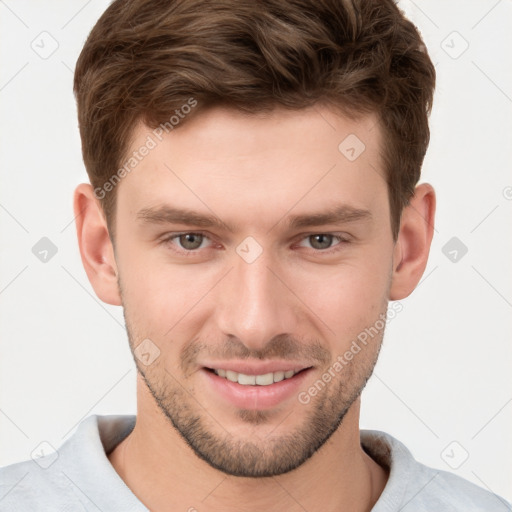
point(254, 306)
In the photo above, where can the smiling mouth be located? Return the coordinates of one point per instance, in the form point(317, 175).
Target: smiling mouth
point(265, 379)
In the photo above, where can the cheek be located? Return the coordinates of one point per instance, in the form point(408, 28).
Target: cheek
point(161, 302)
point(347, 298)
point(161, 299)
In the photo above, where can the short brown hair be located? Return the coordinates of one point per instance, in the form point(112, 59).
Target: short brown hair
point(145, 58)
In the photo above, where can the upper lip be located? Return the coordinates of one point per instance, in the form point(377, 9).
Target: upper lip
point(257, 368)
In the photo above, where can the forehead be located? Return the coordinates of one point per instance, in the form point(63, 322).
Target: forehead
point(228, 134)
point(224, 160)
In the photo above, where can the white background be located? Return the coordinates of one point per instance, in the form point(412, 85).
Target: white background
point(445, 369)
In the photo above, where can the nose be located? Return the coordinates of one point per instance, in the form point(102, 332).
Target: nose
point(254, 303)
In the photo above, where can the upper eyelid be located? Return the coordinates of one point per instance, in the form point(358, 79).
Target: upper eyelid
point(303, 236)
point(171, 236)
point(340, 240)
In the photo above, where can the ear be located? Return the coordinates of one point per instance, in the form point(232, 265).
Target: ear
point(413, 243)
point(95, 245)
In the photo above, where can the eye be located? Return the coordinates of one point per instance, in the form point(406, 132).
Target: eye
point(187, 241)
point(323, 241)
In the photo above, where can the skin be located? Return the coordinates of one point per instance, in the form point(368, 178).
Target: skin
point(296, 301)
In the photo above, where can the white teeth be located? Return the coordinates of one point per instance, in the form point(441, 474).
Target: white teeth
point(232, 376)
point(264, 380)
point(278, 376)
point(246, 380)
point(251, 380)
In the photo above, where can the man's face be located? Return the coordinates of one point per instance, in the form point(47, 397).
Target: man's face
point(235, 307)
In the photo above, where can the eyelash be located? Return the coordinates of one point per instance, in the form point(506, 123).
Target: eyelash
point(168, 241)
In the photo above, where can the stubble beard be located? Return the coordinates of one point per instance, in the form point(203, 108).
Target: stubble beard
point(276, 454)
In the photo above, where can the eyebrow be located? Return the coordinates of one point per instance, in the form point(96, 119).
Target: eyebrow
point(341, 214)
point(169, 215)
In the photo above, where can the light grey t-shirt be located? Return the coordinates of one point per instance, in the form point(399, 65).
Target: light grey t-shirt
point(79, 477)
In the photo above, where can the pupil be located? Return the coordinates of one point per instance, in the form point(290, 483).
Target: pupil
point(190, 241)
point(322, 241)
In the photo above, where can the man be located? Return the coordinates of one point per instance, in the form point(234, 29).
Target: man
point(253, 207)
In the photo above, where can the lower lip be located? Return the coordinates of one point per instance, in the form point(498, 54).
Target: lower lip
point(256, 397)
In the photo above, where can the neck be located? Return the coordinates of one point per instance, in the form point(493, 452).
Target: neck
point(165, 474)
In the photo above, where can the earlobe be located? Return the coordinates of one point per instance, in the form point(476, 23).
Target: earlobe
point(413, 243)
point(96, 248)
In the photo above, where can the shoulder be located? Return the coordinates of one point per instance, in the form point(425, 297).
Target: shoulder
point(413, 486)
point(27, 486)
point(77, 477)
point(436, 489)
